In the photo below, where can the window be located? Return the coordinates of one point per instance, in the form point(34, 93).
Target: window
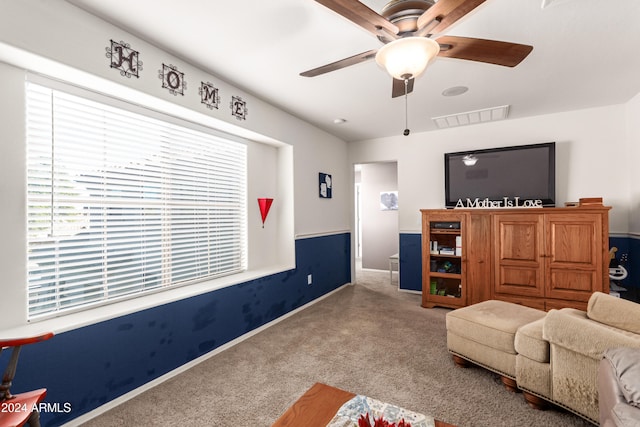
point(121, 203)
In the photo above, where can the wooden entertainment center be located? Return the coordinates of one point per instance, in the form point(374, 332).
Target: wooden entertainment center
point(539, 257)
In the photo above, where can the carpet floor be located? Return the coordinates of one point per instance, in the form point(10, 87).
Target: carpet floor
point(367, 338)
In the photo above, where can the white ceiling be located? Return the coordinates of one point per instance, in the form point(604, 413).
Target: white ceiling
point(586, 54)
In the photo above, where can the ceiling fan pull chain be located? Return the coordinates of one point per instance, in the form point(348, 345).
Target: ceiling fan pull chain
point(406, 108)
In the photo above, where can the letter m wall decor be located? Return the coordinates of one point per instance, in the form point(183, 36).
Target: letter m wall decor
point(209, 95)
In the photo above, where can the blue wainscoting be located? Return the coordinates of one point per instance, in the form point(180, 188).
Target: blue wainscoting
point(633, 266)
point(631, 247)
point(411, 262)
point(88, 367)
point(624, 245)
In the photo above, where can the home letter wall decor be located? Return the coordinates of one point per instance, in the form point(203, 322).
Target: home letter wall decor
point(124, 59)
point(209, 95)
point(172, 79)
point(127, 61)
point(239, 108)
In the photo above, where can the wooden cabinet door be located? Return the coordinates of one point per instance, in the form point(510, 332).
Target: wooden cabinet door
point(518, 254)
point(478, 260)
point(573, 255)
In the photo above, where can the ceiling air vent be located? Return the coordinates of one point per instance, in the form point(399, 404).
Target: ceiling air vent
point(472, 117)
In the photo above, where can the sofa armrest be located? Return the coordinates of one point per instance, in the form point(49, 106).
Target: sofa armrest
point(572, 329)
point(616, 312)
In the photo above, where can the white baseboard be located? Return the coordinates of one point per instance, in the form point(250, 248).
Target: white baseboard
point(410, 291)
point(147, 386)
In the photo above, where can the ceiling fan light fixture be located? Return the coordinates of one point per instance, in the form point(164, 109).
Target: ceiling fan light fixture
point(408, 57)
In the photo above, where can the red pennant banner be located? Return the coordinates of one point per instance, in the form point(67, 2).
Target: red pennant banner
point(265, 205)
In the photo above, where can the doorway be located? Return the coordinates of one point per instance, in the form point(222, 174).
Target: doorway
point(376, 208)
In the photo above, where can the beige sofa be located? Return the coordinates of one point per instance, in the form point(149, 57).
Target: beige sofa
point(558, 356)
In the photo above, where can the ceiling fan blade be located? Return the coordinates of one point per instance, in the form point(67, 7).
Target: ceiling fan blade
point(444, 13)
point(489, 51)
point(352, 60)
point(398, 87)
point(361, 15)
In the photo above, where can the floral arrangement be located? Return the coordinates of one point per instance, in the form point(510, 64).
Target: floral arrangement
point(380, 422)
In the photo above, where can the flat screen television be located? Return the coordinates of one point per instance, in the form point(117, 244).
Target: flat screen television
point(523, 175)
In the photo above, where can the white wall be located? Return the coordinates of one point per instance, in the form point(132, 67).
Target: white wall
point(633, 152)
point(58, 40)
point(592, 159)
point(63, 41)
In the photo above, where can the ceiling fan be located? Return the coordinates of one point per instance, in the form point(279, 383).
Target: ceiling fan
point(414, 26)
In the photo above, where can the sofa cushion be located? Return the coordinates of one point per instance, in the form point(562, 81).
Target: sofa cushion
point(626, 366)
point(616, 312)
point(529, 342)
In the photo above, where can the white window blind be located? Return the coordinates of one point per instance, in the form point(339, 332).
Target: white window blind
point(121, 203)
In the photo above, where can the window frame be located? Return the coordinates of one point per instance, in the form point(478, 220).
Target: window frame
point(137, 109)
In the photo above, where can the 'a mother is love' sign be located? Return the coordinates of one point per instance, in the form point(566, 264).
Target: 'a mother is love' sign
point(505, 202)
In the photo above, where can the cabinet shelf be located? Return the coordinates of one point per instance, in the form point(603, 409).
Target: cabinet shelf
point(445, 256)
point(445, 275)
point(447, 298)
point(449, 301)
point(444, 231)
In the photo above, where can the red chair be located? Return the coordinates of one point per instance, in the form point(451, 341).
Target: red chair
point(22, 408)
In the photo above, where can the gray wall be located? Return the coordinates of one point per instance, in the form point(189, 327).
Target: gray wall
point(379, 227)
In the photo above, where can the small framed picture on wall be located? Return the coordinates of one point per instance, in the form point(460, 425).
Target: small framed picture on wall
point(389, 201)
point(325, 185)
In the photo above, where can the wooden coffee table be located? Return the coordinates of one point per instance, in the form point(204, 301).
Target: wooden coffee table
point(318, 406)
